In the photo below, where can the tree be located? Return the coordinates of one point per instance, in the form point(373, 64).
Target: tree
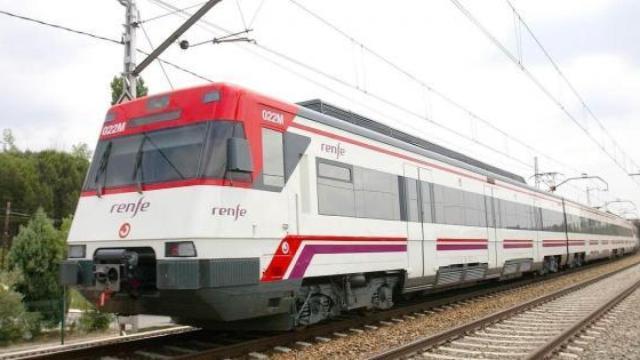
point(81, 150)
point(48, 179)
point(15, 322)
point(8, 141)
point(36, 253)
point(117, 88)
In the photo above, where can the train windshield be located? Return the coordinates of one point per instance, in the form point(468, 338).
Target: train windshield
point(160, 156)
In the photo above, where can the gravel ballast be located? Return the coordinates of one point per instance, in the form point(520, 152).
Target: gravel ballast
point(370, 342)
point(617, 334)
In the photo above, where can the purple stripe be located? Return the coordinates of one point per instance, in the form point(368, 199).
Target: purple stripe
point(517, 246)
point(461, 246)
point(310, 250)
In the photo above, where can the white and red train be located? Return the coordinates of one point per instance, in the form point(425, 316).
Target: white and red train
point(221, 207)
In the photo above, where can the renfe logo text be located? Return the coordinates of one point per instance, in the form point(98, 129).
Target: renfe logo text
point(235, 213)
point(337, 150)
point(132, 208)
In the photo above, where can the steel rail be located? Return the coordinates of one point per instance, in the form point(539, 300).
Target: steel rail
point(268, 341)
point(425, 343)
point(549, 348)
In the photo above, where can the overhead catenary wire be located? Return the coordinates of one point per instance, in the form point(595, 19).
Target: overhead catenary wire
point(210, 27)
point(164, 71)
point(170, 13)
point(102, 38)
point(541, 86)
point(344, 83)
point(426, 86)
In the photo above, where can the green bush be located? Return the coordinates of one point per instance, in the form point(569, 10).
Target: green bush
point(15, 322)
point(36, 253)
point(94, 320)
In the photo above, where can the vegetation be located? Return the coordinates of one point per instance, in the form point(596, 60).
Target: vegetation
point(117, 87)
point(36, 253)
point(48, 179)
point(43, 188)
point(15, 322)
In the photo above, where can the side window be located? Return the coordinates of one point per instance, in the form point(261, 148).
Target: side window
point(335, 189)
point(427, 201)
point(377, 194)
point(411, 196)
point(272, 158)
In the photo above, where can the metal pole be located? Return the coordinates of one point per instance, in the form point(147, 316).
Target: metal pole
point(5, 233)
point(173, 37)
point(129, 41)
point(62, 323)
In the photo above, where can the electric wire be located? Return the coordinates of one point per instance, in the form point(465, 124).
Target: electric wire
point(349, 85)
point(102, 38)
point(60, 27)
point(428, 87)
point(164, 71)
point(169, 13)
point(539, 84)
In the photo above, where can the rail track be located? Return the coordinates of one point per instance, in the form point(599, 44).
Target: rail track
point(191, 343)
point(532, 330)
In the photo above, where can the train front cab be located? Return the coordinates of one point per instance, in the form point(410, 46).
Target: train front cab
point(144, 276)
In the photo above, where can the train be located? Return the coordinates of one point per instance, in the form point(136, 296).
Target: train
point(227, 209)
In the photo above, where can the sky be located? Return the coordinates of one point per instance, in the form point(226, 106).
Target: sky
point(56, 84)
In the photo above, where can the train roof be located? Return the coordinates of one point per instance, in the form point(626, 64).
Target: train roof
point(365, 122)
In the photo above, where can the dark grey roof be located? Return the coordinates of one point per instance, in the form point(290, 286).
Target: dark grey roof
point(359, 120)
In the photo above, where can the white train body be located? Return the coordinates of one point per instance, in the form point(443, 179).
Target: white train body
point(304, 217)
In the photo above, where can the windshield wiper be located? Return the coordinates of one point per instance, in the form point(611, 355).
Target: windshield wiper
point(104, 162)
point(138, 165)
point(164, 156)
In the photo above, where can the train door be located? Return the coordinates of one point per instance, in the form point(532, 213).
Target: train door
point(415, 251)
point(494, 244)
point(426, 221)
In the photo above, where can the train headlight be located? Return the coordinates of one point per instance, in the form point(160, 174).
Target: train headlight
point(77, 251)
point(179, 249)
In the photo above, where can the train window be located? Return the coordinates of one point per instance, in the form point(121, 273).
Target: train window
point(336, 194)
point(334, 172)
point(552, 220)
point(516, 216)
point(474, 210)
point(272, 158)
point(170, 155)
point(426, 196)
point(449, 205)
point(411, 199)
point(377, 194)
point(216, 153)
point(457, 207)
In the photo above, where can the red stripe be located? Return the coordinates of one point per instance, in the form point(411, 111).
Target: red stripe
point(453, 247)
point(345, 238)
point(281, 261)
point(462, 240)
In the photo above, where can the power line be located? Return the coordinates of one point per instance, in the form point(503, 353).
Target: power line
point(60, 27)
point(346, 84)
point(170, 13)
point(103, 38)
point(429, 88)
point(541, 86)
point(166, 76)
